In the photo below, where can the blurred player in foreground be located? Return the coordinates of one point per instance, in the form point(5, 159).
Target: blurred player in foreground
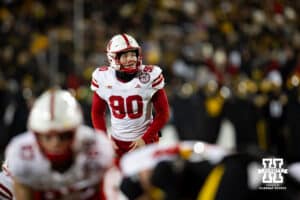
point(58, 157)
point(193, 170)
point(130, 90)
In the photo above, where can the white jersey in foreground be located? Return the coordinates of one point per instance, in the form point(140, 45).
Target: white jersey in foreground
point(129, 102)
point(94, 154)
point(149, 156)
point(5, 186)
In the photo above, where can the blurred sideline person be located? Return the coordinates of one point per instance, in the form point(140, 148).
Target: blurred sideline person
point(130, 90)
point(58, 157)
point(193, 170)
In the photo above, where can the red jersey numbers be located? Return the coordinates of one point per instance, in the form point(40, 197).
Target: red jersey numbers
point(131, 106)
point(134, 105)
point(148, 68)
point(103, 68)
point(27, 152)
point(117, 106)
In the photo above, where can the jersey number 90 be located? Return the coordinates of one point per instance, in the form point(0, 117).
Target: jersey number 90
point(131, 105)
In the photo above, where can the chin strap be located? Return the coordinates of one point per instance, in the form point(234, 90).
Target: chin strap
point(56, 159)
point(59, 158)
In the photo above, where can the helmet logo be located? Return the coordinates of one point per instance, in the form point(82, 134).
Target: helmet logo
point(126, 40)
point(52, 102)
point(144, 77)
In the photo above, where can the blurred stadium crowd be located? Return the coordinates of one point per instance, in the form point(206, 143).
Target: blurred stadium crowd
point(235, 60)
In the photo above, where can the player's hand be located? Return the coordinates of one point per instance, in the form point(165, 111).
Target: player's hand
point(136, 144)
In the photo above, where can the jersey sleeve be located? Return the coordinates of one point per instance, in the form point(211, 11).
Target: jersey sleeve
point(157, 78)
point(94, 82)
point(21, 160)
point(96, 145)
point(6, 190)
point(162, 115)
point(98, 111)
point(96, 77)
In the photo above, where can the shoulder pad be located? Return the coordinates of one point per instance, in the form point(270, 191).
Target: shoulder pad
point(103, 68)
point(96, 77)
point(152, 69)
point(23, 159)
point(157, 78)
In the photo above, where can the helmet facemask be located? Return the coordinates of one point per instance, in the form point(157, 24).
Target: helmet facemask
point(57, 147)
point(131, 69)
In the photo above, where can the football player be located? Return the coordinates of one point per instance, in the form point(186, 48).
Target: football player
point(58, 157)
point(130, 90)
point(187, 164)
point(192, 170)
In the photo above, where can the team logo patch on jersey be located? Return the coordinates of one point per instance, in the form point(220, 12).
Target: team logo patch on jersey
point(144, 77)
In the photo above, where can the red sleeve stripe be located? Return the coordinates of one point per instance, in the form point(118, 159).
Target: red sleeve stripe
point(5, 192)
point(126, 40)
point(4, 196)
point(158, 82)
point(166, 152)
point(158, 78)
point(52, 104)
point(95, 84)
point(153, 85)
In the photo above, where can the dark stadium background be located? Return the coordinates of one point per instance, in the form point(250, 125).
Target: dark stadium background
point(231, 67)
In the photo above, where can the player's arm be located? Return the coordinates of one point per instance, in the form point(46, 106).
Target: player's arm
point(98, 113)
point(162, 115)
point(21, 191)
point(98, 104)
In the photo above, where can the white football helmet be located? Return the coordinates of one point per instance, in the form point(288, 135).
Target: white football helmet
point(122, 43)
point(55, 110)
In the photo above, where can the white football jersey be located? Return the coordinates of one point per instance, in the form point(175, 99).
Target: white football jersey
point(129, 102)
point(5, 186)
point(94, 154)
point(150, 155)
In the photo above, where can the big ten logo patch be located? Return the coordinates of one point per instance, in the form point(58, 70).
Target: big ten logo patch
point(272, 171)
